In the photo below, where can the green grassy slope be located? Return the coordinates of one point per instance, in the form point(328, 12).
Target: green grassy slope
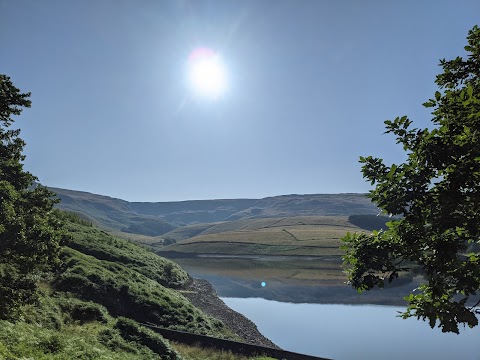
point(90, 308)
point(103, 246)
point(63, 327)
point(129, 281)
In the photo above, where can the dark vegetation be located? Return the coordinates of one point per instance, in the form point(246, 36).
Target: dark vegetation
point(369, 222)
point(436, 195)
point(131, 331)
point(30, 233)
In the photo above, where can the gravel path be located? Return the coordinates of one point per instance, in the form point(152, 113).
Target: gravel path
point(202, 294)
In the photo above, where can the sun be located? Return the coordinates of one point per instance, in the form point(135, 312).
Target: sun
point(207, 75)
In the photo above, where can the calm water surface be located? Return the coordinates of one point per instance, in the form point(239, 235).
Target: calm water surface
point(310, 318)
point(354, 331)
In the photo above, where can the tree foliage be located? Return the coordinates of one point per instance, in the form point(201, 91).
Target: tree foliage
point(436, 193)
point(29, 231)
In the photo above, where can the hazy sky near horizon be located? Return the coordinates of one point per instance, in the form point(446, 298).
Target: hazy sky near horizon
point(310, 83)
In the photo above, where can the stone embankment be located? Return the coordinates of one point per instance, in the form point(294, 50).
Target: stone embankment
point(202, 294)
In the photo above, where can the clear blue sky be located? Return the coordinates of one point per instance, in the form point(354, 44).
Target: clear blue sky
point(310, 84)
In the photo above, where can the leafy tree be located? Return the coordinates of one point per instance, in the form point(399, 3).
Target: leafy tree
point(30, 233)
point(436, 193)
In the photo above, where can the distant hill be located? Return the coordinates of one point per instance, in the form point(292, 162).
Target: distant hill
point(158, 218)
point(110, 213)
point(308, 205)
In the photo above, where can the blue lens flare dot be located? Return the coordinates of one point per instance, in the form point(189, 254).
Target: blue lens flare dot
point(263, 284)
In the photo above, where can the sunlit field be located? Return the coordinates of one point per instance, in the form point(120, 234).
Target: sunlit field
point(294, 236)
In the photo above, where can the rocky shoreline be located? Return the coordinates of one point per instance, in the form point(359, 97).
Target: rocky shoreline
point(202, 294)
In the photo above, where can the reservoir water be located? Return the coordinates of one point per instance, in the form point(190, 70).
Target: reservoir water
point(304, 306)
point(346, 332)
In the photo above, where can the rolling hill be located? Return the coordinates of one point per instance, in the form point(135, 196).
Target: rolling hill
point(287, 236)
point(153, 219)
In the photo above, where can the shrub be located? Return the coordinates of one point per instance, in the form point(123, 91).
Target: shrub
point(132, 331)
point(52, 344)
point(112, 339)
point(83, 311)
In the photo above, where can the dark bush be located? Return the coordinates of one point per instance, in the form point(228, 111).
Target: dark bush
point(132, 331)
point(370, 222)
point(83, 311)
point(51, 345)
point(112, 339)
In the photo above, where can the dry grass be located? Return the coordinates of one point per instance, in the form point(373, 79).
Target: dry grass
point(301, 236)
point(257, 224)
point(198, 353)
point(325, 236)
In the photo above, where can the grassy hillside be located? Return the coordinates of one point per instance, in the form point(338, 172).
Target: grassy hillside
point(63, 327)
point(308, 205)
point(111, 214)
point(151, 220)
point(90, 308)
point(103, 246)
point(299, 236)
point(129, 281)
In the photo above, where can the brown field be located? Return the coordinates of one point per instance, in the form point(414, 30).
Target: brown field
point(300, 236)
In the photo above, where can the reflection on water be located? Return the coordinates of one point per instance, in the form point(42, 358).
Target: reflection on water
point(319, 281)
point(354, 331)
point(306, 317)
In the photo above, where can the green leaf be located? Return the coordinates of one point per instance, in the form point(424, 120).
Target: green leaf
point(470, 91)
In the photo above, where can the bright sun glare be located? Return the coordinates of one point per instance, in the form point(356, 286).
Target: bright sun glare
point(206, 73)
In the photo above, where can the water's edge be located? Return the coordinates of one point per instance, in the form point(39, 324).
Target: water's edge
point(203, 295)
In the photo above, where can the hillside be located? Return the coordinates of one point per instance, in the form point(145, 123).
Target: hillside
point(111, 214)
point(157, 218)
point(290, 236)
point(92, 306)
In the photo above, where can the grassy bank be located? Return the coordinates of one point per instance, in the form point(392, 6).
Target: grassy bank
point(89, 308)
